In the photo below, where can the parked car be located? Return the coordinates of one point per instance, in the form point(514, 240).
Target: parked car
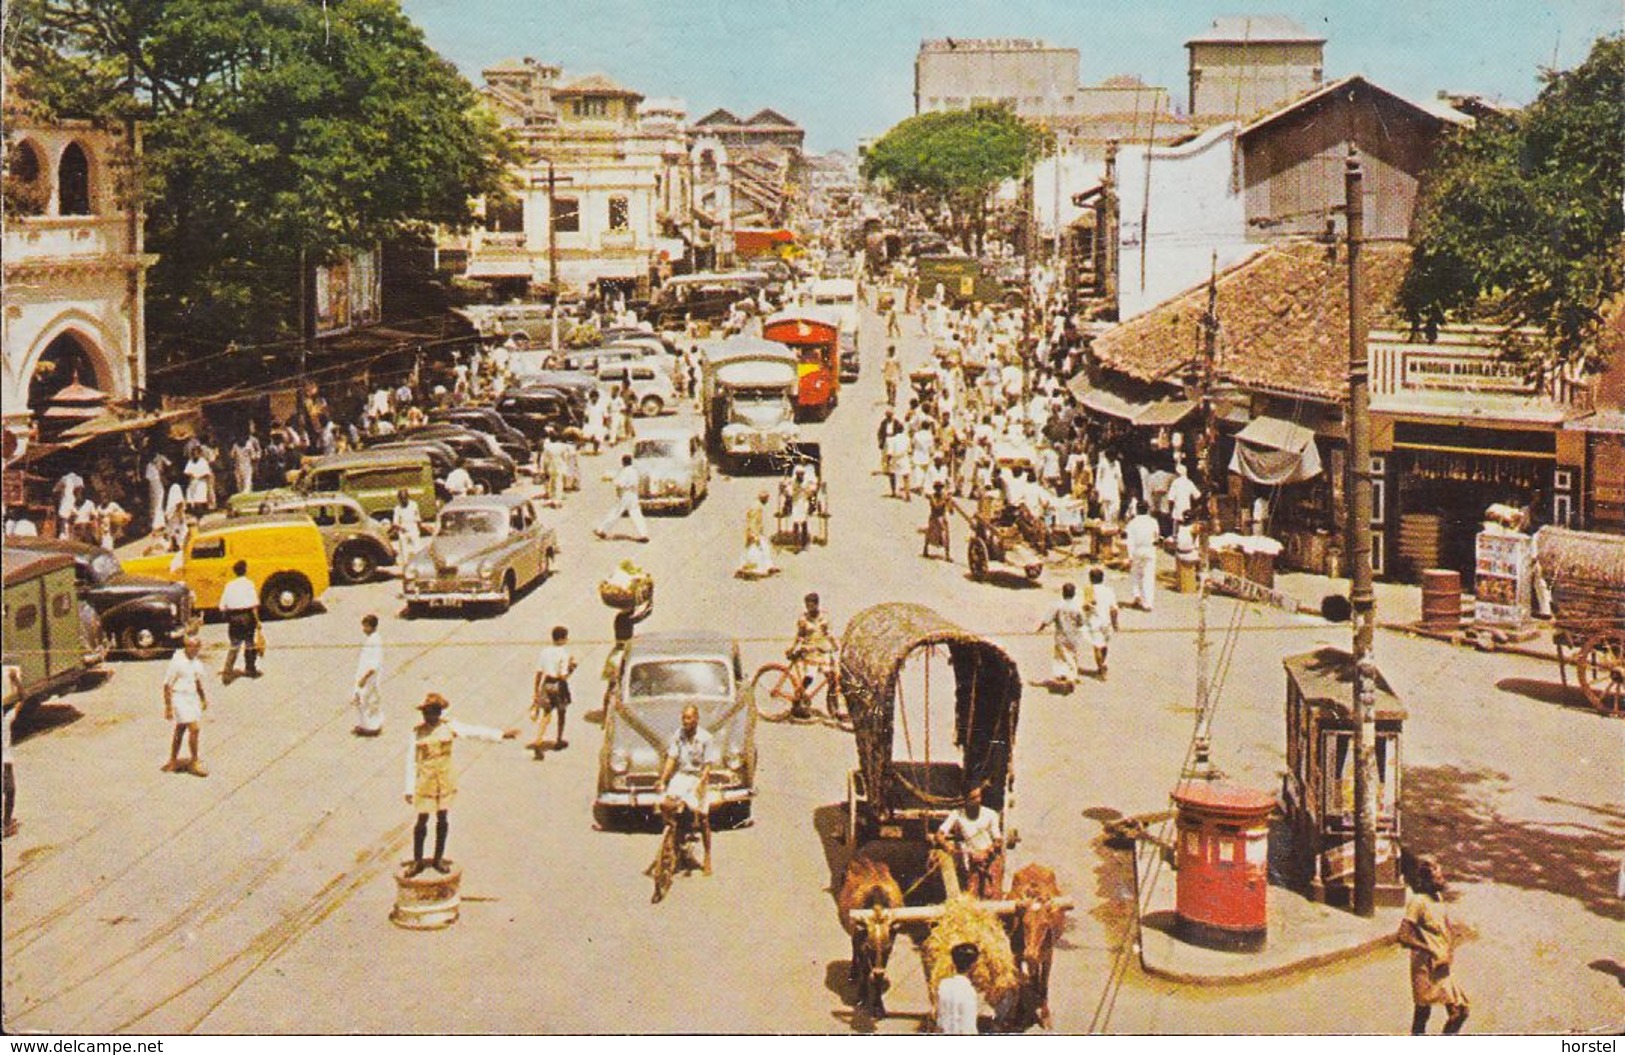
point(673, 469)
point(477, 452)
point(487, 420)
point(590, 360)
point(286, 561)
point(660, 675)
point(652, 388)
point(486, 548)
point(636, 334)
point(374, 478)
point(534, 410)
point(357, 545)
point(52, 635)
point(142, 616)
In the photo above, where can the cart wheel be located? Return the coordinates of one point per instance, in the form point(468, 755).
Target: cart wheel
point(1601, 671)
point(774, 691)
point(976, 557)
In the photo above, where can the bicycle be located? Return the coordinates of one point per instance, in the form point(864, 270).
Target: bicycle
point(787, 692)
point(676, 852)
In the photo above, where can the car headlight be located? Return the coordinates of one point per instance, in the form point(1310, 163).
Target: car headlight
point(619, 761)
point(488, 568)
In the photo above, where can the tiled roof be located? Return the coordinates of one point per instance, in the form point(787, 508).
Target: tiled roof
point(1283, 317)
point(1350, 84)
point(717, 117)
point(594, 84)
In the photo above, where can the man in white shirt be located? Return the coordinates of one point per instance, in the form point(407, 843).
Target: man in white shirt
point(978, 837)
point(1067, 620)
point(627, 504)
point(406, 525)
point(1100, 617)
point(369, 672)
point(240, 603)
point(67, 502)
point(1181, 494)
point(957, 1002)
point(554, 666)
point(1140, 535)
point(459, 483)
point(184, 704)
point(685, 775)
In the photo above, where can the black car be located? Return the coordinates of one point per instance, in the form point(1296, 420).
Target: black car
point(486, 462)
point(487, 420)
point(535, 409)
point(142, 617)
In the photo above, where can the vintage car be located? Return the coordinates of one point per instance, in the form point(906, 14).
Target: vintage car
point(661, 674)
point(374, 478)
point(673, 469)
point(485, 419)
point(486, 548)
point(357, 545)
point(54, 637)
point(480, 454)
point(286, 561)
point(143, 617)
point(652, 389)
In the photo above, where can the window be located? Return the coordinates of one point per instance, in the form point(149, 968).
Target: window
point(620, 213)
point(205, 549)
point(507, 214)
point(73, 182)
point(589, 107)
point(566, 215)
point(27, 616)
point(322, 515)
point(25, 190)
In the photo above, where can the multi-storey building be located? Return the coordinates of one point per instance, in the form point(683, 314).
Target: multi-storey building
point(75, 269)
point(1032, 77)
point(1244, 65)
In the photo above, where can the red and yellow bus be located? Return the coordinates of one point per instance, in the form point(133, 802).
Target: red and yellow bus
point(815, 336)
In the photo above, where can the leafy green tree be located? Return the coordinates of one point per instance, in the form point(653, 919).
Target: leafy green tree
point(277, 133)
point(1522, 221)
point(957, 159)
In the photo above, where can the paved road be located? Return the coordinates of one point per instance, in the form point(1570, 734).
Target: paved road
point(256, 900)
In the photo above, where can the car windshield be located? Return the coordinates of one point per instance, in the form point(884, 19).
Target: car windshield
point(649, 449)
point(761, 409)
point(104, 566)
point(471, 522)
point(678, 677)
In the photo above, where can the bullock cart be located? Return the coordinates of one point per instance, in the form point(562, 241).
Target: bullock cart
point(1585, 572)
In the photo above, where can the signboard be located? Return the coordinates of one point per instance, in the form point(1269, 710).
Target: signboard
point(1501, 579)
point(349, 292)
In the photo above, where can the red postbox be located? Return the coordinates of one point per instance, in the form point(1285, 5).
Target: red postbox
point(1222, 858)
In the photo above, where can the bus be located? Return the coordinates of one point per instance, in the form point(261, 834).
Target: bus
point(814, 334)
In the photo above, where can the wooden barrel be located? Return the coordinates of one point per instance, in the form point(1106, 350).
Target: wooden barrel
point(1441, 598)
point(428, 900)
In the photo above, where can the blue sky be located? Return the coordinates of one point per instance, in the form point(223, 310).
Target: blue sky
point(844, 68)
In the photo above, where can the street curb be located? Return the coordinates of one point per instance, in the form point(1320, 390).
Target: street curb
point(1266, 974)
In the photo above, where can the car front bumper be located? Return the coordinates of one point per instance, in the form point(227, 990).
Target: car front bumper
point(649, 798)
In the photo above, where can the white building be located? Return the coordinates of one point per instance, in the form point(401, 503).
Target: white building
point(604, 193)
point(75, 272)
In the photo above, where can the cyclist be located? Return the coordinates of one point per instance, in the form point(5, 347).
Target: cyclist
point(815, 647)
point(685, 777)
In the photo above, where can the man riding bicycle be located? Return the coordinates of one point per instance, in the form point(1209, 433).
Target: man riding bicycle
point(815, 648)
point(685, 777)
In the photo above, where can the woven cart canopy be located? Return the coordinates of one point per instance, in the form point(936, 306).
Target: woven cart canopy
point(987, 693)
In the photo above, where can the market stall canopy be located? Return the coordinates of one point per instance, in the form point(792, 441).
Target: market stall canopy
point(1152, 413)
point(1270, 451)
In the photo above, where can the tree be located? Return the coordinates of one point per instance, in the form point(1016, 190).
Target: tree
point(277, 133)
point(1522, 221)
point(957, 159)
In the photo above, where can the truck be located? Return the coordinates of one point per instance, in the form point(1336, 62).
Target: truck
point(748, 391)
point(964, 280)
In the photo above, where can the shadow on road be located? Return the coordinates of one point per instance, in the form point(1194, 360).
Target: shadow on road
point(42, 718)
point(1610, 967)
point(1445, 818)
point(1552, 692)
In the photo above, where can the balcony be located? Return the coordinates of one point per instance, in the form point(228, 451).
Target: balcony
point(65, 241)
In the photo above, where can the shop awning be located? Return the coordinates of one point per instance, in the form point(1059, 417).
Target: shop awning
point(498, 269)
point(1102, 399)
point(1271, 451)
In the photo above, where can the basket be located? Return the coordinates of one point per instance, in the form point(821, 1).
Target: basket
point(626, 596)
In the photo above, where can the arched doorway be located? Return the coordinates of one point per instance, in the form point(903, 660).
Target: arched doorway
point(73, 182)
point(66, 359)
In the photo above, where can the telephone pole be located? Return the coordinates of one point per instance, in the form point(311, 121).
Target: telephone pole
point(1361, 598)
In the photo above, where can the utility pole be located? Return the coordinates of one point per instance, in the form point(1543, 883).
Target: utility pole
point(1361, 598)
point(553, 180)
point(1201, 767)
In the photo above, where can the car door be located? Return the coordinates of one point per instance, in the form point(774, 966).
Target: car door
point(527, 554)
point(208, 568)
point(25, 629)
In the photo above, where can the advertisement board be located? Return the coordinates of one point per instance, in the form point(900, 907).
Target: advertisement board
point(1501, 579)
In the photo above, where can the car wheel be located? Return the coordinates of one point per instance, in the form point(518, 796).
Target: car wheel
point(285, 596)
point(506, 601)
point(141, 642)
point(355, 563)
point(651, 406)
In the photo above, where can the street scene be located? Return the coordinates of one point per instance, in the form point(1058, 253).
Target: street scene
point(1076, 556)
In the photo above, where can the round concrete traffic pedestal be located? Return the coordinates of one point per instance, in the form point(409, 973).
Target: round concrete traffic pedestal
point(1223, 864)
point(428, 900)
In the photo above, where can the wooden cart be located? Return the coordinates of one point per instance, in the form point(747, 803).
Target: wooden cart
point(896, 798)
point(1586, 574)
point(1004, 540)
